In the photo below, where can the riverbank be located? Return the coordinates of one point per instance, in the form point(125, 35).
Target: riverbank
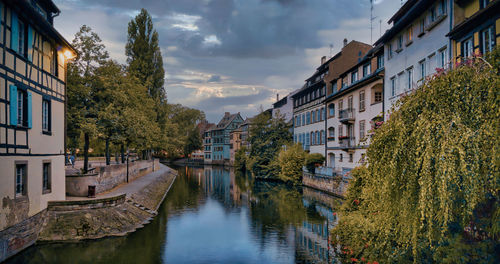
point(115, 213)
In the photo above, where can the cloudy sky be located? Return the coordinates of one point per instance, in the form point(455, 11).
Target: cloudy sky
point(232, 55)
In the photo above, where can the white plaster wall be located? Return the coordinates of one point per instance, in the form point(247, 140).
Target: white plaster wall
point(421, 48)
point(317, 126)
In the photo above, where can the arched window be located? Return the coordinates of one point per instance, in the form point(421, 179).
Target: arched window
point(312, 138)
point(313, 117)
point(318, 140)
point(318, 117)
point(322, 136)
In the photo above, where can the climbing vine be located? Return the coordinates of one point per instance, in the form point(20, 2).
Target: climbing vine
point(430, 193)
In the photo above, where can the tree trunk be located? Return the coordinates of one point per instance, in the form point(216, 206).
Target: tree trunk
point(123, 153)
point(108, 158)
point(86, 153)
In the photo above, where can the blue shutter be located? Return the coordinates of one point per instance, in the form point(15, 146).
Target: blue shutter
point(29, 109)
point(13, 105)
point(30, 43)
point(14, 40)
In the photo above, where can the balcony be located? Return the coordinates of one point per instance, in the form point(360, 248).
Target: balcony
point(347, 142)
point(346, 116)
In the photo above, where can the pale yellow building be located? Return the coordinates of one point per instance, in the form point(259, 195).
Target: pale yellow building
point(33, 58)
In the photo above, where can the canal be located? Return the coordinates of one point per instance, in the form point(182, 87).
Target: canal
point(215, 215)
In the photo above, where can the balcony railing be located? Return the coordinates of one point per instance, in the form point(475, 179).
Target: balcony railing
point(347, 142)
point(347, 115)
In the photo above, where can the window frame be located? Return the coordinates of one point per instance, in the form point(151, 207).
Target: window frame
point(46, 182)
point(46, 116)
point(393, 86)
point(24, 179)
point(362, 100)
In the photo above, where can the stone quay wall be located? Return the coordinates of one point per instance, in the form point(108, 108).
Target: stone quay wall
point(106, 178)
point(86, 204)
point(336, 185)
point(20, 235)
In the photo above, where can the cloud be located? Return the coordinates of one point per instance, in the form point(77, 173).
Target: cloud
point(214, 78)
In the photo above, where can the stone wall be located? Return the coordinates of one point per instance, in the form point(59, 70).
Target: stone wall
point(20, 235)
point(108, 177)
point(86, 204)
point(334, 185)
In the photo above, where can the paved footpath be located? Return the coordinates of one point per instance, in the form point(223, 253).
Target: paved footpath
point(129, 188)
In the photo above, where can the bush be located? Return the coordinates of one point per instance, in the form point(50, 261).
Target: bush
point(240, 158)
point(313, 160)
point(291, 161)
point(430, 191)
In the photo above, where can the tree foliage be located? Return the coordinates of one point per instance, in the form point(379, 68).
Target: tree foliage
point(430, 193)
point(291, 160)
point(267, 136)
point(313, 160)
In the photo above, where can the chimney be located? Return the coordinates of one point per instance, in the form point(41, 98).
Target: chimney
point(323, 60)
point(345, 42)
point(277, 97)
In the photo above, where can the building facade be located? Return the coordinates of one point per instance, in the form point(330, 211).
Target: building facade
point(221, 152)
point(33, 57)
point(284, 107)
point(415, 46)
point(235, 143)
point(476, 27)
point(353, 109)
point(309, 111)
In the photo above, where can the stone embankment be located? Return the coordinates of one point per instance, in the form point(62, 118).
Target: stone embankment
point(116, 213)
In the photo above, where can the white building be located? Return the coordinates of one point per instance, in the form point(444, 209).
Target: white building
point(309, 111)
point(284, 107)
point(353, 110)
point(415, 46)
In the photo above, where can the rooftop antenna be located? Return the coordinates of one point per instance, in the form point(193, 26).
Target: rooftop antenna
point(331, 50)
point(372, 18)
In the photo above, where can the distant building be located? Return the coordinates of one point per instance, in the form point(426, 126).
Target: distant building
point(235, 143)
point(203, 127)
point(415, 46)
point(32, 123)
point(220, 137)
point(284, 107)
point(476, 27)
point(207, 144)
point(353, 109)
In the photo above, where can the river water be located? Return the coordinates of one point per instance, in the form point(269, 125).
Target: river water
point(214, 215)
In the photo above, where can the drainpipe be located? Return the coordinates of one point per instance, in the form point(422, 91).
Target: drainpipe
point(324, 135)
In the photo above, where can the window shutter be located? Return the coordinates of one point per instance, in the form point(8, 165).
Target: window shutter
point(14, 40)
point(13, 105)
point(29, 109)
point(30, 43)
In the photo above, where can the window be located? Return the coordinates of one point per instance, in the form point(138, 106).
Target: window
point(318, 117)
point(334, 86)
point(361, 129)
point(432, 14)
point(442, 63)
point(362, 101)
point(487, 40)
point(354, 76)
point(409, 75)
point(378, 96)
point(344, 82)
point(409, 35)
point(341, 106)
point(46, 181)
point(313, 116)
point(46, 115)
point(349, 102)
point(312, 138)
point(21, 177)
point(380, 61)
point(308, 116)
point(367, 69)
point(442, 8)
point(22, 34)
point(322, 137)
point(393, 86)
point(467, 47)
point(22, 108)
point(303, 119)
point(296, 121)
point(389, 51)
point(422, 27)
point(341, 132)
point(400, 42)
point(317, 138)
point(331, 110)
point(341, 158)
point(331, 133)
point(322, 114)
point(351, 157)
point(422, 69)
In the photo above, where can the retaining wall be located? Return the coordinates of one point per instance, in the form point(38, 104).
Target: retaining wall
point(335, 185)
point(106, 178)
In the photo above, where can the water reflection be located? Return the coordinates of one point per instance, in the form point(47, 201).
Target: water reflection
point(216, 215)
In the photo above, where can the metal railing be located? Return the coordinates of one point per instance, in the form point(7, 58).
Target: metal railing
point(347, 142)
point(346, 114)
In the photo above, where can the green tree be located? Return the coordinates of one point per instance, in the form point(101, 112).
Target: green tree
point(144, 55)
point(82, 111)
point(430, 193)
point(267, 136)
point(291, 161)
point(313, 160)
point(193, 142)
point(240, 158)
